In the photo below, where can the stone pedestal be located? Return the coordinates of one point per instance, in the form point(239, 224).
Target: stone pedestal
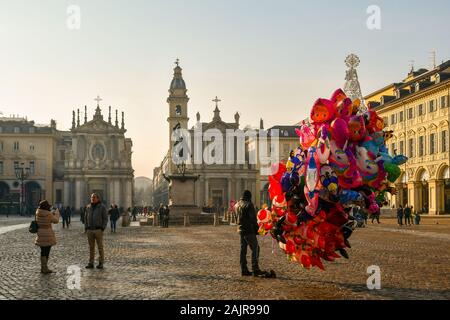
point(182, 195)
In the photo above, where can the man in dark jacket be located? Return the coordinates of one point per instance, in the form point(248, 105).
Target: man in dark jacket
point(407, 214)
point(248, 229)
point(400, 215)
point(95, 222)
point(161, 212)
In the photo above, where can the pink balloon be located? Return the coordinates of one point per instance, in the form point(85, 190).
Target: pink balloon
point(339, 132)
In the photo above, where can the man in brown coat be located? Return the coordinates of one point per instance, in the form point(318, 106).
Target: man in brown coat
point(95, 223)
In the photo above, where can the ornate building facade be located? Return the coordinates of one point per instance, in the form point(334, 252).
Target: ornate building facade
point(98, 159)
point(64, 167)
point(417, 111)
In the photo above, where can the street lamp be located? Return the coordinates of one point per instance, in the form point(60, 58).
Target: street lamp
point(22, 173)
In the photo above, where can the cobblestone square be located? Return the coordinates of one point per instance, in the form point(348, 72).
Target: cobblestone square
point(203, 263)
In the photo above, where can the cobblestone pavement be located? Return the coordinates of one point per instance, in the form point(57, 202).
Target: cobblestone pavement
point(203, 263)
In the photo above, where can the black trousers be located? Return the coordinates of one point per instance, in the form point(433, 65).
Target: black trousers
point(376, 217)
point(249, 240)
point(45, 251)
point(400, 220)
point(66, 222)
point(407, 220)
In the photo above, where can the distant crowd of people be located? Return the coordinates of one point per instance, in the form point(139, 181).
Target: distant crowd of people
point(405, 214)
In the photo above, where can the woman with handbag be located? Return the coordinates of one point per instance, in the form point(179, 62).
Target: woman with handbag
point(45, 235)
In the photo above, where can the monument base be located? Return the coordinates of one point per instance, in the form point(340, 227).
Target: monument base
point(180, 211)
point(182, 195)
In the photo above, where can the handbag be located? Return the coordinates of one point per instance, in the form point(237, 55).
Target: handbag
point(33, 226)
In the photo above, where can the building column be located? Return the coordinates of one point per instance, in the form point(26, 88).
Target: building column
point(66, 195)
point(206, 191)
point(230, 194)
point(237, 191)
point(117, 199)
point(436, 196)
point(78, 200)
point(128, 194)
point(414, 198)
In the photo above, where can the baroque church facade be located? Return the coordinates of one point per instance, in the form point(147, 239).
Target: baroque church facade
point(98, 159)
point(217, 184)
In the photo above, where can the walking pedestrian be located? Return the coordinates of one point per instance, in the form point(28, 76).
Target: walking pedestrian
point(248, 229)
point(161, 213)
point(96, 221)
point(65, 219)
point(400, 215)
point(376, 216)
point(166, 216)
point(45, 238)
point(113, 217)
point(134, 213)
point(69, 215)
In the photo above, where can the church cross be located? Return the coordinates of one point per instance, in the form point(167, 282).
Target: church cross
point(217, 100)
point(98, 99)
point(177, 62)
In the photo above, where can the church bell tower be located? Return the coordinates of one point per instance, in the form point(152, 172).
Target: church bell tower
point(177, 101)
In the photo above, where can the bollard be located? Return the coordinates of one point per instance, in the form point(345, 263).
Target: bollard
point(216, 220)
point(186, 220)
point(155, 217)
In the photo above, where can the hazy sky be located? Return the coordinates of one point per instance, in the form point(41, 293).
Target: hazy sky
point(268, 59)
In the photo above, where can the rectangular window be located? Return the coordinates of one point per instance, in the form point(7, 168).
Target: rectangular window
point(402, 147)
point(32, 167)
point(432, 106)
point(386, 121)
point(1, 167)
point(411, 148)
point(444, 141)
point(393, 147)
point(420, 110)
point(1, 146)
point(400, 116)
point(286, 150)
point(393, 119)
point(16, 146)
point(31, 147)
point(432, 143)
point(410, 113)
point(443, 102)
point(16, 164)
point(421, 146)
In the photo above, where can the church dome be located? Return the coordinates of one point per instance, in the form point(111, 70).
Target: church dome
point(177, 84)
point(177, 81)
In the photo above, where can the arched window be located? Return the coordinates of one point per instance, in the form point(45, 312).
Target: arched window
point(178, 110)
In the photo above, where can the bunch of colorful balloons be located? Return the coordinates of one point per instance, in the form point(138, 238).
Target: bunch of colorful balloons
point(342, 162)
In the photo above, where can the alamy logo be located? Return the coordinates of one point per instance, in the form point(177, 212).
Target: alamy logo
point(73, 17)
point(236, 147)
point(74, 278)
point(374, 19)
point(374, 280)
